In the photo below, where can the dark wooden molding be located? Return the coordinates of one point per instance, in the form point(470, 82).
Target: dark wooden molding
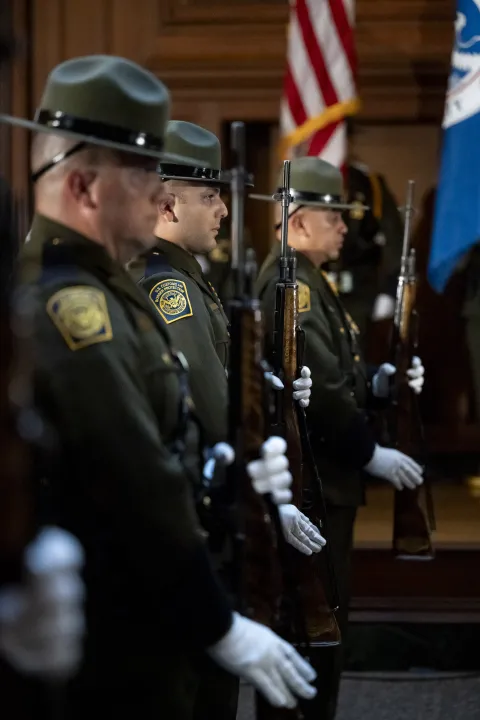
point(445, 589)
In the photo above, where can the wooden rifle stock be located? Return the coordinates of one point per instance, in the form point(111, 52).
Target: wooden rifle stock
point(258, 568)
point(413, 509)
point(312, 573)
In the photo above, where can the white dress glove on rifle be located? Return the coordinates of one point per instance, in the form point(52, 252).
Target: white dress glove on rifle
point(256, 654)
point(302, 386)
point(271, 473)
point(381, 379)
point(416, 375)
point(222, 454)
point(42, 621)
point(397, 468)
point(299, 532)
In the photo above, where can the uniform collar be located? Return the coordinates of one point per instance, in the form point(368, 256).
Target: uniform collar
point(46, 232)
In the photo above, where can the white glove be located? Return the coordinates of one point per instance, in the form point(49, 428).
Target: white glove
point(299, 531)
point(42, 622)
point(271, 474)
point(397, 468)
point(383, 307)
point(222, 454)
point(415, 375)
point(253, 652)
point(302, 387)
point(274, 381)
point(381, 380)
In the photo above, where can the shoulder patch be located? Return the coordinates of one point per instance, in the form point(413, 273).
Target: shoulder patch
point(304, 304)
point(170, 297)
point(80, 314)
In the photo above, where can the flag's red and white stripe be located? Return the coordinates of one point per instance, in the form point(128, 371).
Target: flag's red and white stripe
point(319, 88)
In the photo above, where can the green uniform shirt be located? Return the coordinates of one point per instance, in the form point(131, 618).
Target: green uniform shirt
point(189, 309)
point(127, 452)
point(341, 439)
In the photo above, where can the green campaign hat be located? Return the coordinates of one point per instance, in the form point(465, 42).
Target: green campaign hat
point(185, 138)
point(313, 182)
point(104, 100)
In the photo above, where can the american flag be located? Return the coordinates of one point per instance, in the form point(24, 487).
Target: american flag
point(319, 86)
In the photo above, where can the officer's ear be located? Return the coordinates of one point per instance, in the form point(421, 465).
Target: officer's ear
point(82, 186)
point(166, 208)
point(298, 222)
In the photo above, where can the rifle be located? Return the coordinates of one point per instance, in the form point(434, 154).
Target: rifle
point(311, 574)
point(414, 519)
point(259, 544)
point(257, 568)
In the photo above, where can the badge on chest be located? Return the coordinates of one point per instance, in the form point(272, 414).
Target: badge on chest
point(170, 297)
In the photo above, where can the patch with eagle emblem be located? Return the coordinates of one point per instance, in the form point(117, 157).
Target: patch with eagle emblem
point(81, 316)
point(170, 297)
point(304, 304)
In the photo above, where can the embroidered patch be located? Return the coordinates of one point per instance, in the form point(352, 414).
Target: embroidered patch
point(170, 297)
point(81, 316)
point(304, 304)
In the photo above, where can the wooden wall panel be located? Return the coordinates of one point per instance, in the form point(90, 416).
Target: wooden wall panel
point(234, 53)
point(225, 61)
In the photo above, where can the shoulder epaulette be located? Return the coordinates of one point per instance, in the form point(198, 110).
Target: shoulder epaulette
point(58, 264)
point(156, 263)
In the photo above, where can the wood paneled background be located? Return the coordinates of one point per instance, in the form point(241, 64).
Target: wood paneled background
point(225, 61)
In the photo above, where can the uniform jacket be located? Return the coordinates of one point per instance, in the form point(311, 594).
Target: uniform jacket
point(190, 311)
point(373, 244)
point(121, 479)
point(341, 438)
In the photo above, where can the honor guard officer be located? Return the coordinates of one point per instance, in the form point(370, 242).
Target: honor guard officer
point(341, 439)
point(188, 304)
point(367, 268)
point(115, 392)
point(188, 224)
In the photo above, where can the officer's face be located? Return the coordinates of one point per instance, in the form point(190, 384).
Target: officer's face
point(129, 192)
point(324, 231)
point(194, 219)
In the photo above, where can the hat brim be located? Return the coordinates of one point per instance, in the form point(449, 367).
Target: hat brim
point(225, 182)
point(312, 203)
point(92, 140)
point(197, 181)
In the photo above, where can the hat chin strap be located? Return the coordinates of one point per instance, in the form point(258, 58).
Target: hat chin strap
point(57, 159)
point(299, 207)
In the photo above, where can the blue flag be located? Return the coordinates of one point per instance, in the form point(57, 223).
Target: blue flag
point(457, 206)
